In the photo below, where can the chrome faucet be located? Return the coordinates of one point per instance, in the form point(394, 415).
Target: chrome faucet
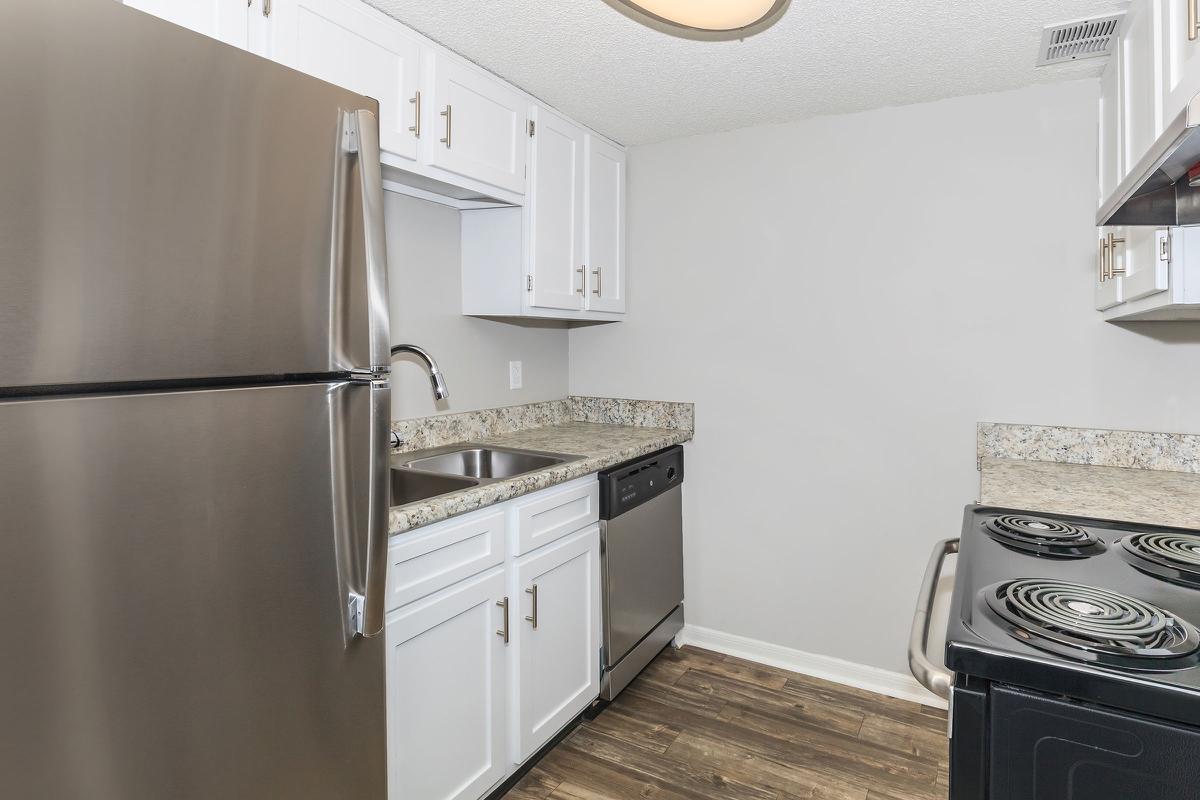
point(440, 392)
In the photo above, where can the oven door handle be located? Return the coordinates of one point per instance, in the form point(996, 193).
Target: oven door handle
point(933, 677)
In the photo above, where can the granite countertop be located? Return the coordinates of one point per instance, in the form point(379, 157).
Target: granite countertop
point(1152, 496)
point(601, 446)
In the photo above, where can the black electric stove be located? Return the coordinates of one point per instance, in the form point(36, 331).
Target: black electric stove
point(1076, 654)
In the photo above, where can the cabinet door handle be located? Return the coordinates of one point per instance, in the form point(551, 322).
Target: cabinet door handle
point(1192, 20)
point(449, 115)
point(1103, 259)
point(599, 273)
point(416, 126)
point(1113, 269)
point(503, 632)
point(533, 618)
point(582, 281)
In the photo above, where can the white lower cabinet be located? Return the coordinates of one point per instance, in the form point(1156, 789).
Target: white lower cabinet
point(446, 687)
point(484, 670)
point(558, 645)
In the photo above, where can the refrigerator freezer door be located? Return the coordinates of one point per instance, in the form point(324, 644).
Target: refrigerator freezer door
point(174, 208)
point(174, 571)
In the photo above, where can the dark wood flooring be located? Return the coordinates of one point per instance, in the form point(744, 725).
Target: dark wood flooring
point(698, 724)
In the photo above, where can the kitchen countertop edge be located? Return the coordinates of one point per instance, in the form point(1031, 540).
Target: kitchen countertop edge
point(413, 516)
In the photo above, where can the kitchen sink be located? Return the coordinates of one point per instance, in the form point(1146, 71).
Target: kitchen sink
point(409, 486)
point(486, 463)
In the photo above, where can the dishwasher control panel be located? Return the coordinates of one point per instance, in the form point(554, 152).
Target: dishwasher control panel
point(629, 485)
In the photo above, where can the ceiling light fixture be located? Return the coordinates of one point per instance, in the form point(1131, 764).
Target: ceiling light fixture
point(704, 19)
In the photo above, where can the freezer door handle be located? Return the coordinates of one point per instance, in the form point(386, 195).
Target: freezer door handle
point(361, 138)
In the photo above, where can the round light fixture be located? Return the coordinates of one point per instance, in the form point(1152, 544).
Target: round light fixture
point(704, 19)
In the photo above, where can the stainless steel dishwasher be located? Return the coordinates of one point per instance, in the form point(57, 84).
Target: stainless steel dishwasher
point(641, 562)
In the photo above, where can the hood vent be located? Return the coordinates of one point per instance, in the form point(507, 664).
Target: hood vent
point(1084, 38)
point(1157, 191)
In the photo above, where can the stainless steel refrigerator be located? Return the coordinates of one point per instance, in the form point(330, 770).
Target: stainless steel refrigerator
point(193, 418)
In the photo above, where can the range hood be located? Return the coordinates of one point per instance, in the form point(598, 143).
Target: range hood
point(1156, 191)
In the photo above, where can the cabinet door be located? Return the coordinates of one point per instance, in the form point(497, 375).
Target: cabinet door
point(348, 43)
point(1111, 162)
point(1146, 262)
point(1110, 259)
point(605, 230)
point(1139, 83)
point(221, 19)
point(558, 647)
point(1179, 58)
point(446, 702)
point(475, 124)
point(556, 213)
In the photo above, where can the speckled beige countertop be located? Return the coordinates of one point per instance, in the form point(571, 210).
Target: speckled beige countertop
point(601, 446)
point(1156, 497)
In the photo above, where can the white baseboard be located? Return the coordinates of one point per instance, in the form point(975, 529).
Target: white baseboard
point(847, 673)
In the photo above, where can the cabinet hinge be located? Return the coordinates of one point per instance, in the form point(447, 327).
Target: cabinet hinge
point(529, 283)
point(532, 128)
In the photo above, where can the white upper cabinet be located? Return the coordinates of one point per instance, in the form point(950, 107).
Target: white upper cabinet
point(1145, 272)
point(348, 43)
point(1111, 149)
point(604, 255)
point(556, 217)
point(543, 198)
point(1137, 56)
point(1179, 57)
point(227, 20)
point(475, 125)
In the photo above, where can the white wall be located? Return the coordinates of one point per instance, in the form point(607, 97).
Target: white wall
point(844, 298)
point(424, 273)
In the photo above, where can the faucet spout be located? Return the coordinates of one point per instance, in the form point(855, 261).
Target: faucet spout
point(440, 392)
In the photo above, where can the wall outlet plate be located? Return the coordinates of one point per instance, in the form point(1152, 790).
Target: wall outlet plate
point(514, 375)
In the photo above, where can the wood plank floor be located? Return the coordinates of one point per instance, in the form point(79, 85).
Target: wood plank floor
point(698, 724)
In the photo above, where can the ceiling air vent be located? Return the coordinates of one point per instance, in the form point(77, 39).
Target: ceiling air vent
point(1084, 38)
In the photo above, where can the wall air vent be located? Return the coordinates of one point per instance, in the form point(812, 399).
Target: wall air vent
point(1083, 38)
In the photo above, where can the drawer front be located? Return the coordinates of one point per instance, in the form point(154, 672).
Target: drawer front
point(428, 561)
point(554, 513)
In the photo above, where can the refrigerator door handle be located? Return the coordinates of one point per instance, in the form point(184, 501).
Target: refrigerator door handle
point(379, 502)
point(360, 473)
point(361, 137)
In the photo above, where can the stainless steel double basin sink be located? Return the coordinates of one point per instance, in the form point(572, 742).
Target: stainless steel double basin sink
point(429, 473)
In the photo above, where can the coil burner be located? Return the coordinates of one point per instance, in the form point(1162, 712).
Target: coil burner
point(1043, 537)
point(1096, 625)
point(1172, 556)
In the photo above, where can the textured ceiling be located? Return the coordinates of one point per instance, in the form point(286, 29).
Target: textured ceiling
point(638, 85)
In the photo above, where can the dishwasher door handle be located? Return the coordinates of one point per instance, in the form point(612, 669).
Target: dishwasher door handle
point(933, 677)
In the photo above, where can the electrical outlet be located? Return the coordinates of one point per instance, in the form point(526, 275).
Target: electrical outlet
point(514, 374)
